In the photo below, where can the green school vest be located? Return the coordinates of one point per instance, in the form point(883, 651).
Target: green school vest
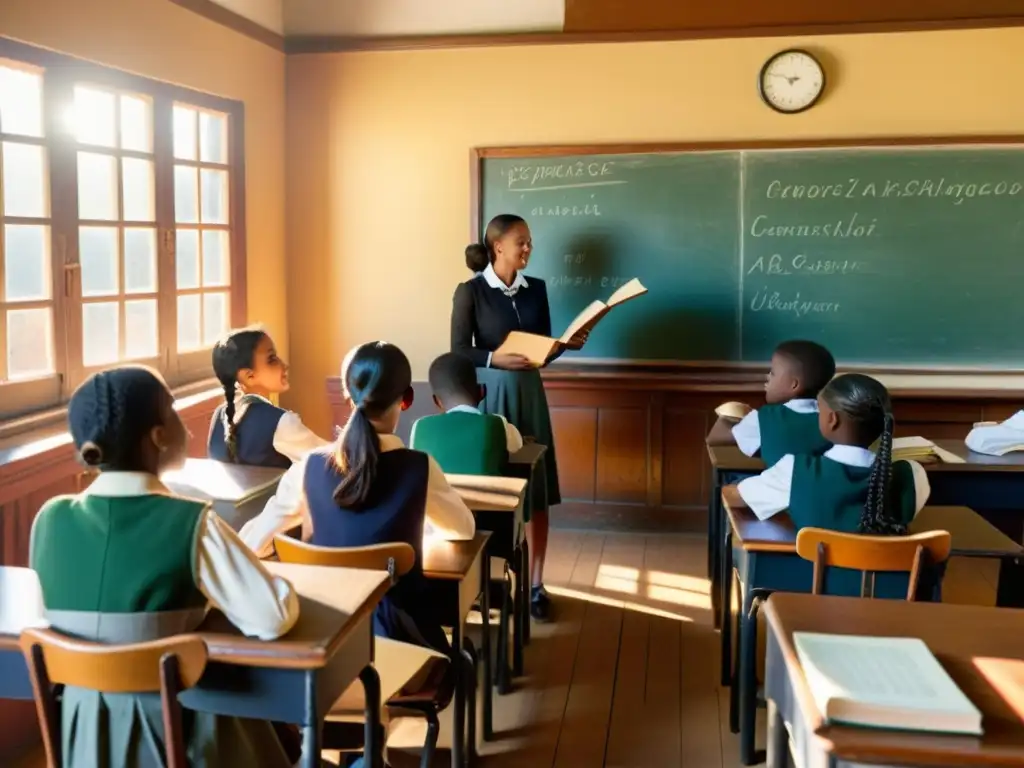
point(785, 431)
point(827, 494)
point(463, 443)
point(105, 554)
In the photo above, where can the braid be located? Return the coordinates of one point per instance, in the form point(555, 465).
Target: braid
point(231, 433)
point(876, 518)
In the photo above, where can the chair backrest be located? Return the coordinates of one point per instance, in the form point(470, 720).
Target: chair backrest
point(396, 558)
point(169, 666)
point(872, 554)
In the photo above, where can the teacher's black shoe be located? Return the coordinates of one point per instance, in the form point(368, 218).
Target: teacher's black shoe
point(540, 604)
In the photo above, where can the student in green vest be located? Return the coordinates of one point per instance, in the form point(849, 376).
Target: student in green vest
point(126, 561)
point(788, 423)
point(853, 487)
point(463, 439)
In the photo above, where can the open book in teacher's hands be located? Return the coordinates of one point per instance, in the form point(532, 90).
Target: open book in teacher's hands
point(883, 682)
point(537, 349)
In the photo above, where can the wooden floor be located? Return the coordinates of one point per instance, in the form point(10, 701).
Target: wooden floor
point(627, 675)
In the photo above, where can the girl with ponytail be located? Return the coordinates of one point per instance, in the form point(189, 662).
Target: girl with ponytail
point(855, 486)
point(368, 488)
point(248, 428)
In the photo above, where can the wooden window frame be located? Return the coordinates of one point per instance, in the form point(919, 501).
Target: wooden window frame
point(30, 403)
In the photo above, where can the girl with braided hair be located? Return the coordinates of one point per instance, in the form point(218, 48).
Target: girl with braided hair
point(248, 428)
point(854, 486)
point(126, 561)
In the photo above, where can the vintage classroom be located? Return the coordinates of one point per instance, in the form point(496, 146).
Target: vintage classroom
point(358, 140)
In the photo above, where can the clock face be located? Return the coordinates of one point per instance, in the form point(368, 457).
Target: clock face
point(791, 81)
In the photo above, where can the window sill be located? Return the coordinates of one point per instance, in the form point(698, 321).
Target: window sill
point(33, 436)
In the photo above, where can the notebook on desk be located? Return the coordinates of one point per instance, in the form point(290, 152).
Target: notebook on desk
point(998, 438)
point(922, 450)
point(883, 682)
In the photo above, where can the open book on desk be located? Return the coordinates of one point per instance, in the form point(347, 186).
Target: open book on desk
point(537, 349)
point(883, 682)
point(922, 450)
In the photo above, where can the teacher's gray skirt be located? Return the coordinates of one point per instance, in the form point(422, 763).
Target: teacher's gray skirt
point(519, 397)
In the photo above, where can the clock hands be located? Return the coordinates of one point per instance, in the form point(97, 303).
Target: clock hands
point(787, 78)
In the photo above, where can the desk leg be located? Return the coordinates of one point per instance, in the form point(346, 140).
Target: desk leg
point(527, 581)
point(504, 672)
point(715, 540)
point(485, 649)
point(469, 659)
point(459, 715)
point(520, 611)
point(748, 680)
point(778, 738)
point(373, 745)
point(725, 606)
point(311, 728)
point(1010, 590)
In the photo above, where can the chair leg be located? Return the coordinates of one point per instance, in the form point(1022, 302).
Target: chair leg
point(430, 745)
point(734, 685)
point(470, 681)
point(528, 581)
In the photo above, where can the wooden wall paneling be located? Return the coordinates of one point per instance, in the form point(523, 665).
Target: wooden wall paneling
point(623, 450)
point(575, 431)
point(695, 15)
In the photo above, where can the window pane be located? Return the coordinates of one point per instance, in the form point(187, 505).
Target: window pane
point(139, 260)
point(215, 317)
point(29, 343)
point(100, 333)
point(186, 257)
point(189, 323)
point(26, 263)
point(136, 124)
point(186, 195)
point(213, 138)
point(215, 257)
point(21, 102)
point(97, 187)
point(215, 196)
point(95, 117)
point(140, 336)
point(137, 189)
point(97, 249)
point(24, 171)
point(184, 133)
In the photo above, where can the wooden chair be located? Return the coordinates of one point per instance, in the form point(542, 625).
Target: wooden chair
point(169, 666)
point(427, 692)
point(872, 555)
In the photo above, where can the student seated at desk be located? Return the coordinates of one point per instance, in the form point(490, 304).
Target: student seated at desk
point(850, 488)
point(998, 439)
point(463, 439)
point(126, 561)
point(248, 428)
point(369, 489)
point(789, 421)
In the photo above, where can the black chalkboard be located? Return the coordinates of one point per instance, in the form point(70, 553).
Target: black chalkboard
point(900, 256)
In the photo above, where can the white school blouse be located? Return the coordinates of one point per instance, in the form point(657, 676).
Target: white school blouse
point(767, 494)
point(747, 432)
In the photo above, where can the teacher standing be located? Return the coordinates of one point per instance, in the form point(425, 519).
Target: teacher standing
point(499, 299)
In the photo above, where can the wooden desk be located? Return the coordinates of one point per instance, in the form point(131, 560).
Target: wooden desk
point(238, 492)
point(294, 679)
point(766, 561)
point(992, 486)
point(962, 637)
point(498, 504)
point(459, 565)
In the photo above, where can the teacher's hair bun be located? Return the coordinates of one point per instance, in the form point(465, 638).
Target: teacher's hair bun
point(477, 257)
point(91, 454)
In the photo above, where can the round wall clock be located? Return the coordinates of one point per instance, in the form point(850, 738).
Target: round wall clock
point(791, 81)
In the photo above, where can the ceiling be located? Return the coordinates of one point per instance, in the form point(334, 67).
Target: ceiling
point(387, 18)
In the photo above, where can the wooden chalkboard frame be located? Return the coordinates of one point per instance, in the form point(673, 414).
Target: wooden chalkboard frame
point(993, 382)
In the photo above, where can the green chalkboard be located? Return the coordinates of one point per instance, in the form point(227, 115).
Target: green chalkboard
point(892, 256)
